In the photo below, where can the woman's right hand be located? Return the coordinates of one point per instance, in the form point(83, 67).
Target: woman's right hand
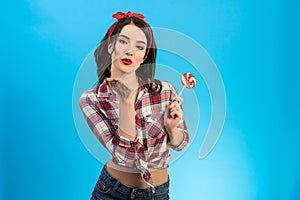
point(126, 127)
point(122, 90)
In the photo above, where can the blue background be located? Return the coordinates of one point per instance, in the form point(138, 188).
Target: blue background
point(255, 45)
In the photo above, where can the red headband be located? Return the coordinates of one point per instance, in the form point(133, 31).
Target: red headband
point(121, 15)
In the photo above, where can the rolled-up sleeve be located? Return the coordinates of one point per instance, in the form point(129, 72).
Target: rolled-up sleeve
point(103, 128)
point(181, 126)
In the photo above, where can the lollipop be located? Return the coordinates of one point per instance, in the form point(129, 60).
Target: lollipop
point(188, 80)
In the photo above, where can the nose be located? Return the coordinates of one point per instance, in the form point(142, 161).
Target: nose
point(130, 49)
point(128, 53)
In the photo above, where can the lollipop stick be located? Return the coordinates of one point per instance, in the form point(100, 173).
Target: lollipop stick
point(181, 91)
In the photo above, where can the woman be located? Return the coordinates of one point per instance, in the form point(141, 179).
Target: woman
point(135, 117)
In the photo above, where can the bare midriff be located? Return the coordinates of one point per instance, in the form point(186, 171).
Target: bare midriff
point(133, 179)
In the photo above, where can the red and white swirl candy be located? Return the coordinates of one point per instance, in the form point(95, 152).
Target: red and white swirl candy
point(188, 80)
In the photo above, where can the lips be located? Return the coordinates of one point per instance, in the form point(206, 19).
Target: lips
point(126, 61)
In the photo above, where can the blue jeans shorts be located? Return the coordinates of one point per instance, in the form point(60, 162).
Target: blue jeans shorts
point(109, 188)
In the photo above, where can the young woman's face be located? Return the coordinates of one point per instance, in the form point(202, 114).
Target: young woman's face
point(129, 50)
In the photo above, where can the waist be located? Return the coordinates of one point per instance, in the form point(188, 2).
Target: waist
point(132, 178)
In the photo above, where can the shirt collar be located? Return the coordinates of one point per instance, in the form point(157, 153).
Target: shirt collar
point(102, 90)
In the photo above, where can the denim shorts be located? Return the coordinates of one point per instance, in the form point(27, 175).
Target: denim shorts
point(109, 188)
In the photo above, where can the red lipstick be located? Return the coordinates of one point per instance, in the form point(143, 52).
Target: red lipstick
point(126, 61)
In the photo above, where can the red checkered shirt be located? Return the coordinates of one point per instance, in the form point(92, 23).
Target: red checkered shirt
point(150, 149)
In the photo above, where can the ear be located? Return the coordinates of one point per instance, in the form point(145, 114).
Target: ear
point(110, 48)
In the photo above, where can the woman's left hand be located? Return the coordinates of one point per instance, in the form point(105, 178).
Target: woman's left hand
point(173, 115)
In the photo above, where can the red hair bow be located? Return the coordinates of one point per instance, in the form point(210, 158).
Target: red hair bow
point(121, 15)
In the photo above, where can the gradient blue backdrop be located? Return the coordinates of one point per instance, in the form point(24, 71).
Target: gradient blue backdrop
point(255, 45)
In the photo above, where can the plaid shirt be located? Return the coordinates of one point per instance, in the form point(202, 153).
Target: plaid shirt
point(150, 149)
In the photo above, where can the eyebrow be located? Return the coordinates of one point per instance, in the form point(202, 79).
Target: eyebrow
point(140, 41)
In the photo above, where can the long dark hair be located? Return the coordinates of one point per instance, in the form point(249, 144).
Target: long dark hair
point(146, 70)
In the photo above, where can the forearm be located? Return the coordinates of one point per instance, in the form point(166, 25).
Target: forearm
point(126, 126)
point(176, 137)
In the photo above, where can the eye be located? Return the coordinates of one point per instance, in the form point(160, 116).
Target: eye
point(122, 41)
point(140, 47)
